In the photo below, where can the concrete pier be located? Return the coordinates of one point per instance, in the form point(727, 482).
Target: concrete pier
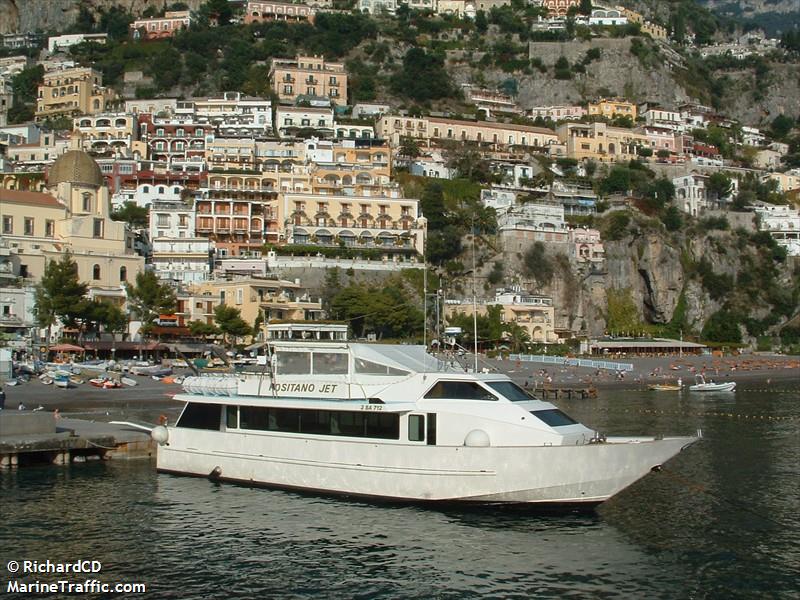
point(39, 438)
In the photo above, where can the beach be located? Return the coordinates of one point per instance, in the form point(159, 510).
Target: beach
point(755, 372)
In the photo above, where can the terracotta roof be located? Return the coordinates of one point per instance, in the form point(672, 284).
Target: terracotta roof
point(30, 198)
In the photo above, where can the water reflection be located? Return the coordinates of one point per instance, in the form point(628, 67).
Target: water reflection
point(721, 521)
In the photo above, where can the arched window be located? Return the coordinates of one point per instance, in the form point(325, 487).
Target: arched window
point(123, 273)
point(96, 272)
point(96, 104)
point(87, 202)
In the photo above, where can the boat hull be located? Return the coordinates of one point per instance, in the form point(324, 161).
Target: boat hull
point(584, 475)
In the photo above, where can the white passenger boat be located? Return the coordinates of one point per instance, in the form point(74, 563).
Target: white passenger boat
point(701, 385)
point(393, 422)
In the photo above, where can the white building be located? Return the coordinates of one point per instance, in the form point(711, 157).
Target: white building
point(292, 121)
point(377, 7)
point(177, 255)
point(365, 110)
point(145, 194)
point(693, 197)
point(232, 113)
point(607, 17)
point(62, 42)
point(557, 113)
point(666, 119)
point(783, 223)
point(432, 165)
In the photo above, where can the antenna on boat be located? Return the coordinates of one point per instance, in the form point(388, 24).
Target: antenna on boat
point(474, 301)
point(425, 302)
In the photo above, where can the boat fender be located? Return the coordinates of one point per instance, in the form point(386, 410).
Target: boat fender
point(215, 474)
point(162, 420)
point(159, 435)
point(477, 438)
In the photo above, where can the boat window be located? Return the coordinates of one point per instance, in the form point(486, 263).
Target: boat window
point(510, 390)
point(416, 428)
point(197, 415)
point(367, 367)
point(294, 363)
point(321, 422)
point(553, 417)
point(232, 417)
point(251, 417)
point(330, 363)
point(459, 390)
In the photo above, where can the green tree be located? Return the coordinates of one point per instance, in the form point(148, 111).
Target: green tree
point(133, 215)
point(672, 218)
point(422, 77)
point(106, 315)
point(537, 264)
point(781, 126)
point(481, 23)
point(585, 7)
point(721, 327)
point(148, 298)
point(409, 147)
point(230, 322)
point(216, 11)
point(60, 295)
point(203, 330)
point(719, 185)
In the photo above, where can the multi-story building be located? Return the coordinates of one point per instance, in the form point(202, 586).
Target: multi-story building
point(354, 131)
point(271, 298)
point(654, 30)
point(302, 121)
point(533, 312)
point(787, 182)
point(489, 101)
point(6, 99)
point(668, 119)
point(600, 142)
point(157, 28)
point(38, 154)
point(377, 7)
point(169, 140)
point(783, 223)
point(394, 128)
point(73, 91)
point(586, 245)
point(691, 194)
point(557, 113)
point(176, 254)
point(111, 134)
point(391, 224)
point(612, 108)
point(308, 76)
point(58, 43)
point(255, 155)
point(239, 212)
point(232, 114)
point(258, 11)
point(559, 8)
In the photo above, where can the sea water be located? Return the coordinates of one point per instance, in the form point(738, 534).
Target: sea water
point(722, 520)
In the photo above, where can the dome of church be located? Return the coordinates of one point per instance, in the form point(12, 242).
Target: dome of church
point(75, 166)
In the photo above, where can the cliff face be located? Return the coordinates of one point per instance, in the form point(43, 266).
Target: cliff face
point(56, 15)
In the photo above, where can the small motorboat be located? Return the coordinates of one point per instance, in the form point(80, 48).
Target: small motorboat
point(110, 384)
point(63, 382)
point(97, 382)
point(128, 381)
point(701, 385)
point(666, 387)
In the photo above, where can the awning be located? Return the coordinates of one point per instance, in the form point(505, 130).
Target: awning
point(66, 348)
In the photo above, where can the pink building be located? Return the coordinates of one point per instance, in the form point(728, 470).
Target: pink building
point(257, 11)
point(158, 28)
point(586, 245)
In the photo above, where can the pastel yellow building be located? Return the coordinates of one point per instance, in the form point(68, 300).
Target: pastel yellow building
point(396, 127)
point(390, 224)
point(108, 134)
point(600, 142)
point(74, 217)
point(612, 108)
point(74, 91)
point(534, 313)
point(272, 298)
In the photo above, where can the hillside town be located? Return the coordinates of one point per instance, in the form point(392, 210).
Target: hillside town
point(243, 217)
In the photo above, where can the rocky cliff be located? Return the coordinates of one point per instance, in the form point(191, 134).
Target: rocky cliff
point(56, 15)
